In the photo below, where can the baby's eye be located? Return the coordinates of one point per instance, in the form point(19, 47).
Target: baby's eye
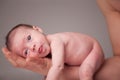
point(26, 52)
point(29, 37)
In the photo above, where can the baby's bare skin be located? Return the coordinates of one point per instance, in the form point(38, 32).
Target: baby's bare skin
point(76, 46)
point(77, 49)
point(74, 49)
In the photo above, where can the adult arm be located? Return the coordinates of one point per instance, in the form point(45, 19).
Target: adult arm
point(111, 11)
point(111, 67)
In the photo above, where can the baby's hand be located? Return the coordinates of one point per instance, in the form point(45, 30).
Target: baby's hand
point(40, 65)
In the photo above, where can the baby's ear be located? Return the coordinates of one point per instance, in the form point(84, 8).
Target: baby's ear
point(38, 29)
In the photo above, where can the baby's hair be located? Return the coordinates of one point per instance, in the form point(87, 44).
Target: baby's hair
point(7, 43)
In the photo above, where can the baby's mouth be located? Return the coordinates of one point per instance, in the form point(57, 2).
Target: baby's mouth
point(40, 50)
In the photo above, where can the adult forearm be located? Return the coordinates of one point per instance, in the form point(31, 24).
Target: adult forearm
point(111, 11)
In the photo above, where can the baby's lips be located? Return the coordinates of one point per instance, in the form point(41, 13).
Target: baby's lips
point(40, 49)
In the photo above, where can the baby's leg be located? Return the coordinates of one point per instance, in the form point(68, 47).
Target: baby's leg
point(91, 64)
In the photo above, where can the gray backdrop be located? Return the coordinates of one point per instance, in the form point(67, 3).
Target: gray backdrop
point(53, 16)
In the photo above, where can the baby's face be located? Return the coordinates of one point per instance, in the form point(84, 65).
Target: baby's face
point(29, 42)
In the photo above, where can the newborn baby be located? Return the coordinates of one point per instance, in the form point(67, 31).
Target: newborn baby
point(73, 49)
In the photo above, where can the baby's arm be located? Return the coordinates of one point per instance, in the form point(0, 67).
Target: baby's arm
point(57, 48)
point(92, 62)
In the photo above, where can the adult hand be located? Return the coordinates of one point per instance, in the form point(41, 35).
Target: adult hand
point(40, 65)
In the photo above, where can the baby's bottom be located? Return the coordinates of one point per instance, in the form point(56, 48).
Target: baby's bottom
point(91, 64)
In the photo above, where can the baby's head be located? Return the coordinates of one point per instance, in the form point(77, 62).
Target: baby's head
point(27, 40)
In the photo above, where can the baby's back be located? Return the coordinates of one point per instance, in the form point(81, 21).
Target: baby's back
point(77, 47)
